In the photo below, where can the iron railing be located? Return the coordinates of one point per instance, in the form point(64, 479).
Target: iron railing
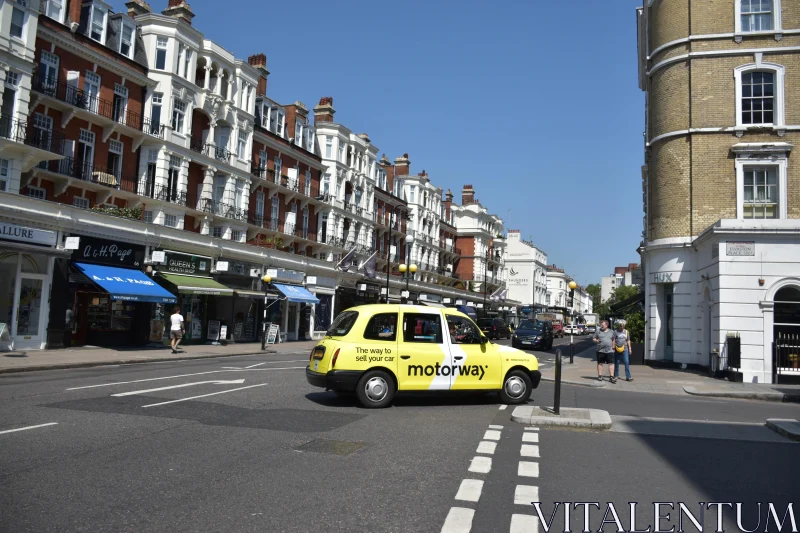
point(70, 94)
point(26, 133)
point(222, 209)
point(163, 193)
point(90, 172)
point(280, 226)
point(786, 358)
point(156, 129)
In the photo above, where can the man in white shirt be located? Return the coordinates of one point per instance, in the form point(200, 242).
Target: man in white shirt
point(176, 329)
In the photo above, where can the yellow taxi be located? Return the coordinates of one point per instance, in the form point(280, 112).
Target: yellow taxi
point(379, 350)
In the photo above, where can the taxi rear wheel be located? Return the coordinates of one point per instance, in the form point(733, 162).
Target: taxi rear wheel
point(375, 389)
point(517, 388)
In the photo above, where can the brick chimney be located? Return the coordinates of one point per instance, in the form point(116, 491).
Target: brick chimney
point(180, 10)
point(324, 111)
point(402, 166)
point(389, 169)
point(137, 7)
point(448, 201)
point(74, 14)
point(259, 61)
point(467, 195)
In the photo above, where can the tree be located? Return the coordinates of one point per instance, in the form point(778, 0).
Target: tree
point(622, 293)
point(594, 291)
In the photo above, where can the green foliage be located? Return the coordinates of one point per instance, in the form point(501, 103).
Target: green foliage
point(636, 325)
point(623, 293)
point(471, 286)
point(124, 212)
point(594, 291)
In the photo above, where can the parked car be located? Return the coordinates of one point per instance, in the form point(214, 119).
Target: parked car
point(558, 328)
point(494, 328)
point(581, 329)
point(533, 334)
point(591, 329)
point(570, 329)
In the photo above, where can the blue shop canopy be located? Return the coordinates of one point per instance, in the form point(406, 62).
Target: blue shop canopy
point(294, 293)
point(126, 284)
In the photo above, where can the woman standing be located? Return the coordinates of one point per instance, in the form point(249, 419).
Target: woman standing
point(622, 350)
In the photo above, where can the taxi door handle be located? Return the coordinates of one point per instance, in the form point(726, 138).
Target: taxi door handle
point(404, 357)
point(458, 358)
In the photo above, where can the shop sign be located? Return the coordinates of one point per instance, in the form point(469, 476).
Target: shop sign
point(280, 274)
point(321, 281)
point(12, 232)
point(108, 252)
point(666, 277)
point(178, 263)
point(740, 248)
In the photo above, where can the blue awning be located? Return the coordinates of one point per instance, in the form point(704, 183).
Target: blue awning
point(126, 284)
point(294, 293)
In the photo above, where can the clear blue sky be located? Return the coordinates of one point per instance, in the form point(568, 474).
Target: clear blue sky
point(535, 103)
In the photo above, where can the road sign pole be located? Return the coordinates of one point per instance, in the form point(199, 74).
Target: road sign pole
point(557, 398)
point(571, 350)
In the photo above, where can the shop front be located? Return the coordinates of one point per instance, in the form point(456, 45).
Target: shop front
point(431, 300)
point(27, 258)
point(324, 288)
point(293, 315)
point(204, 303)
point(247, 303)
point(350, 294)
point(108, 300)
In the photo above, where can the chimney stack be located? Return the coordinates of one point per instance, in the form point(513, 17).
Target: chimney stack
point(137, 7)
point(467, 195)
point(180, 10)
point(402, 166)
point(389, 169)
point(259, 61)
point(364, 137)
point(324, 111)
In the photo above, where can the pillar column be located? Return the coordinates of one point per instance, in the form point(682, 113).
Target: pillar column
point(208, 186)
point(768, 309)
point(207, 77)
point(218, 86)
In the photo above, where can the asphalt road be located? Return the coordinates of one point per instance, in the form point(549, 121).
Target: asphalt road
point(188, 446)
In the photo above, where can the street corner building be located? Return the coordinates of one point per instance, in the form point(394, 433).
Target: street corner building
point(143, 167)
point(721, 187)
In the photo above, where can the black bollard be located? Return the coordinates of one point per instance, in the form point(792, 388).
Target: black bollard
point(571, 354)
point(557, 399)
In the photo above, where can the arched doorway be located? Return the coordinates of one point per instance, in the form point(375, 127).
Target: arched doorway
point(786, 332)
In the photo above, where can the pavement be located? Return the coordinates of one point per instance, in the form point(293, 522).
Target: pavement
point(22, 361)
point(245, 444)
point(647, 379)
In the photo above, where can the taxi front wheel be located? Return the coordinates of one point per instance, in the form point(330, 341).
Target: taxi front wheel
point(375, 389)
point(517, 388)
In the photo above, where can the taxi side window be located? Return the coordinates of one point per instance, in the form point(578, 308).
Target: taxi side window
point(382, 327)
point(419, 327)
point(463, 330)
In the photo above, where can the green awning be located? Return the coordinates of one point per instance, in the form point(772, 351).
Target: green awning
point(197, 285)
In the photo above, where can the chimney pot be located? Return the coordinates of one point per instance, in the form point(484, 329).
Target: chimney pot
point(137, 7)
point(180, 10)
point(324, 111)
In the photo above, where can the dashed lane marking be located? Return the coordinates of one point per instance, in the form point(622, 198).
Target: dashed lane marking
point(481, 465)
point(459, 520)
point(528, 469)
point(530, 437)
point(529, 450)
point(526, 494)
point(486, 446)
point(524, 523)
point(495, 426)
point(29, 427)
point(531, 428)
point(470, 490)
point(491, 434)
point(503, 407)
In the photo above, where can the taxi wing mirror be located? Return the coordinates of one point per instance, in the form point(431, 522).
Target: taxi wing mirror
point(484, 340)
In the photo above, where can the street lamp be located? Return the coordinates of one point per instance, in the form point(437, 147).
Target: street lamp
point(572, 285)
point(407, 268)
point(389, 258)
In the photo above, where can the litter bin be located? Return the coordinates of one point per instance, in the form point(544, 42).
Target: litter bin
point(713, 364)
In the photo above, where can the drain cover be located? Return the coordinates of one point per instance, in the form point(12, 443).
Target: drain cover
point(333, 447)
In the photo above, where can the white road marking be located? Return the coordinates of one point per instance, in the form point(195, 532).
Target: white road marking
point(531, 428)
point(495, 426)
point(491, 434)
point(204, 395)
point(481, 465)
point(459, 520)
point(218, 382)
point(470, 490)
point(171, 377)
point(528, 469)
point(264, 363)
point(503, 407)
point(255, 365)
point(524, 523)
point(526, 494)
point(529, 450)
point(29, 427)
point(486, 446)
point(530, 437)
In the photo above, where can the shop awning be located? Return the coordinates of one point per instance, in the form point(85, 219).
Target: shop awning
point(433, 304)
point(294, 293)
point(247, 293)
point(126, 284)
point(197, 285)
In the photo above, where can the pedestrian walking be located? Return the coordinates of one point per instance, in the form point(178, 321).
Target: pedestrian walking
point(176, 329)
point(622, 350)
point(604, 339)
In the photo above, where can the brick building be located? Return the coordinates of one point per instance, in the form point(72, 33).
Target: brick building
point(721, 234)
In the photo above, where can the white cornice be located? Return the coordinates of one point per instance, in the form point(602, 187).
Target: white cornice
point(723, 53)
point(288, 149)
point(118, 67)
point(762, 148)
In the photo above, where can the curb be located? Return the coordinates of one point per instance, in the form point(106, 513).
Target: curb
point(787, 427)
point(597, 419)
point(88, 364)
point(595, 385)
point(745, 395)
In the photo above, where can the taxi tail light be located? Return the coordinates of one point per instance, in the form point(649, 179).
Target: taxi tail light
point(310, 357)
point(335, 356)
